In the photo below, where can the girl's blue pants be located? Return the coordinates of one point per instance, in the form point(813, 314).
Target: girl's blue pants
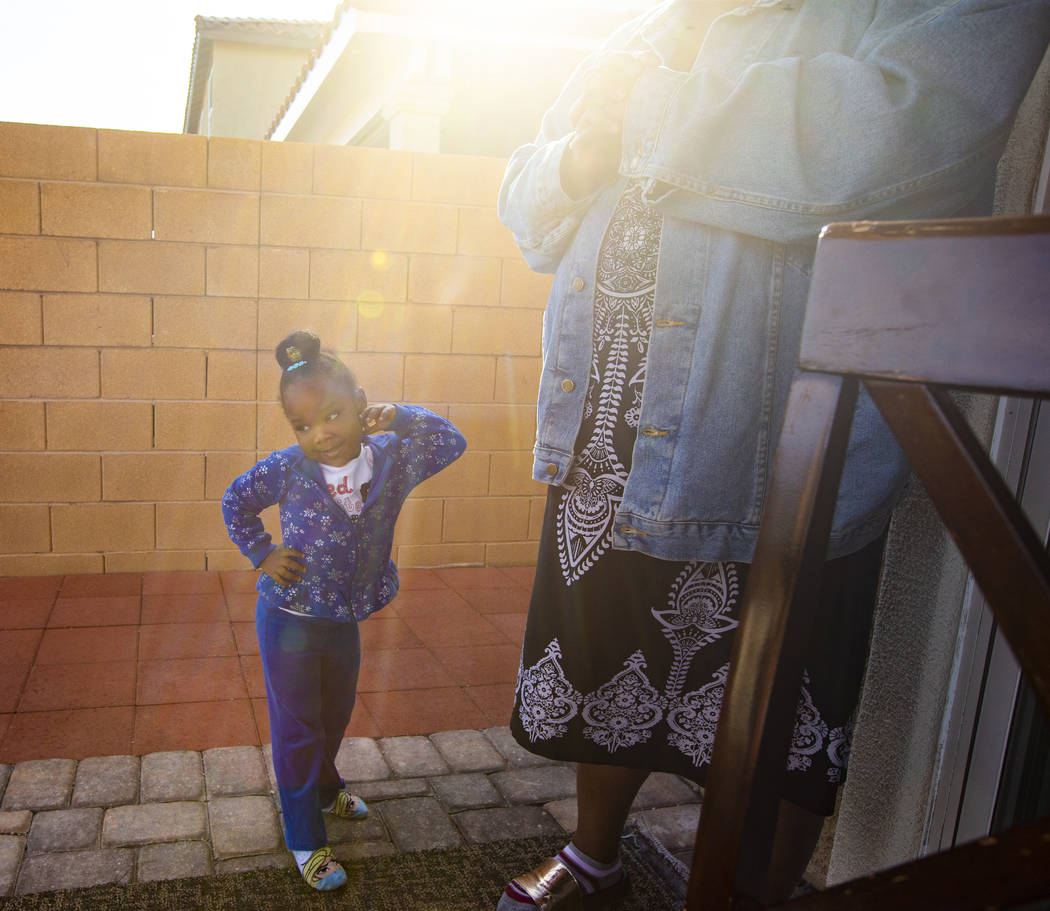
point(310, 667)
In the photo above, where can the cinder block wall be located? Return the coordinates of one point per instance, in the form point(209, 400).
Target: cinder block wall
point(144, 280)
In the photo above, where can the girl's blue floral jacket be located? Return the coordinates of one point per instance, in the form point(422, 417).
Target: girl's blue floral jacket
point(349, 573)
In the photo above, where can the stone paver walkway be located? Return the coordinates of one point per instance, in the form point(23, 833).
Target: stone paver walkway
point(121, 819)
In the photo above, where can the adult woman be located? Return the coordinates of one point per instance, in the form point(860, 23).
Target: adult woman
point(676, 189)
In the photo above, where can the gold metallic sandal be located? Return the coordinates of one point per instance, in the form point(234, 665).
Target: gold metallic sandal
point(553, 887)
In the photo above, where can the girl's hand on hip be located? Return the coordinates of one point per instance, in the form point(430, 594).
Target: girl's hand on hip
point(377, 418)
point(284, 565)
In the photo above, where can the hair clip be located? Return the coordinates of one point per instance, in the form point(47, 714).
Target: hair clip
point(292, 367)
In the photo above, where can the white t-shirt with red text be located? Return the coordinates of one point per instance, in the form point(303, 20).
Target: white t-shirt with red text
point(345, 482)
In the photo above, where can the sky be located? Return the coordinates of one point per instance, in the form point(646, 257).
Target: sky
point(119, 64)
point(125, 64)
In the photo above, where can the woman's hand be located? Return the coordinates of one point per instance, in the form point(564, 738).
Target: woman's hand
point(592, 157)
point(284, 565)
point(377, 418)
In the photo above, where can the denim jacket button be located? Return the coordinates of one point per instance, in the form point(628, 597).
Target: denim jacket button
point(552, 469)
point(567, 385)
point(578, 284)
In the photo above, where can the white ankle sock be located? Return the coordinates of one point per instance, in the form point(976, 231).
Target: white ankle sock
point(595, 874)
point(301, 857)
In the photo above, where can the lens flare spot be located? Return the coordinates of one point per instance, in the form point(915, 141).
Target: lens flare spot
point(370, 304)
point(380, 260)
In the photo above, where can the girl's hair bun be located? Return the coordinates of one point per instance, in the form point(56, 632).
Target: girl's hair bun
point(299, 346)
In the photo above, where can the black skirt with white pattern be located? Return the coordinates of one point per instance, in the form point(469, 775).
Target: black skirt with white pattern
point(625, 656)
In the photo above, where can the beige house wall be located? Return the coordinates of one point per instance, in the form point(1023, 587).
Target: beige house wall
point(144, 280)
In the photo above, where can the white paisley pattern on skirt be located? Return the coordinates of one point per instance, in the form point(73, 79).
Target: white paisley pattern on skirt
point(623, 315)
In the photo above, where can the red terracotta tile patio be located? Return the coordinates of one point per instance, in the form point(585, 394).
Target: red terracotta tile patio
point(78, 686)
point(96, 611)
point(95, 665)
point(25, 613)
point(69, 734)
point(88, 644)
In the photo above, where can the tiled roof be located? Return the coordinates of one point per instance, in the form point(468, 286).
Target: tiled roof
point(300, 33)
point(318, 49)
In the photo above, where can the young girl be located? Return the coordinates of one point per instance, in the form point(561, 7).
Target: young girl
point(340, 491)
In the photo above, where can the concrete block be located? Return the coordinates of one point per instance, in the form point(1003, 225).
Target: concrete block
point(486, 519)
point(103, 320)
point(468, 751)
point(287, 167)
point(235, 771)
point(152, 374)
point(106, 781)
point(234, 164)
point(206, 216)
point(661, 789)
point(354, 851)
point(15, 822)
point(521, 287)
point(19, 207)
point(102, 527)
point(96, 210)
point(48, 152)
point(470, 791)
point(23, 424)
point(537, 785)
point(284, 272)
point(408, 227)
point(196, 426)
point(310, 221)
point(190, 525)
point(358, 171)
point(355, 831)
point(80, 426)
point(48, 373)
point(196, 322)
point(481, 330)
point(154, 822)
point(20, 319)
point(371, 279)
point(673, 827)
point(482, 234)
point(419, 823)
point(277, 861)
point(175, 775)
point(495, 426)
point(232, 271)
point(152, 476)
point(412, 757)
point(243, 825)
point(389, 789)
point(565, 811)
point(25, 529)
point(449, 378)
point(75, 870)
point(163, 159)
point(12, 849)
point(516, 756)
point(461, 280)
point(150, 266)
point(174, 861)
point(64, 830)
point(359, 759)
point(501, 823)
point(406, 329)
point(40, 784)
point(466, 179)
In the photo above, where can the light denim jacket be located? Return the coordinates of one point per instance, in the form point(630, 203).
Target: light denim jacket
point(795, 114)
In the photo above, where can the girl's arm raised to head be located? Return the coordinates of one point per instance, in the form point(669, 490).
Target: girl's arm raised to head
point(428, 441)
point(248, 495)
